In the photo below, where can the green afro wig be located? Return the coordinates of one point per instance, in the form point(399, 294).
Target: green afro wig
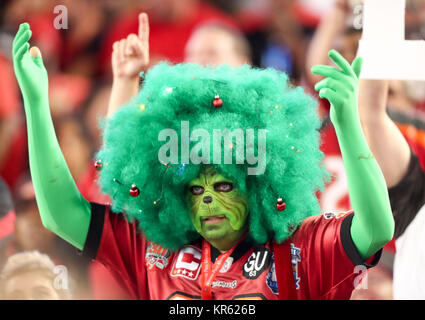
point(190, 97)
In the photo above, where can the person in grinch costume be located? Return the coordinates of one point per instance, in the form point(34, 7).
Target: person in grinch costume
point(213, 174)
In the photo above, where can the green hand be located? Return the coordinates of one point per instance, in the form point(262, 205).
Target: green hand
point(340, 88)
point(29, 68)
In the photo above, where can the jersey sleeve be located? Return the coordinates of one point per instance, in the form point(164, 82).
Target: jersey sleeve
point(329, 264)
point(118, 244)
point(408, 196)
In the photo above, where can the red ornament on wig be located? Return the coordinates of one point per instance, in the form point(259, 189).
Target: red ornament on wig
point(217, 102)
point(280, 205)
point(134, 191)
point(98, 165)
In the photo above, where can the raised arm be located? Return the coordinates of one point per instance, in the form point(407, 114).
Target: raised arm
point(330, 28)
point(384, 138)
point(373, 224)
point(130, 56)
point(62, 208)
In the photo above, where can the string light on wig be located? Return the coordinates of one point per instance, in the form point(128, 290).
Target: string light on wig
point(134, 191)
point(181, 169)
point(117, 181)
point(169, 90)
point(155, 202)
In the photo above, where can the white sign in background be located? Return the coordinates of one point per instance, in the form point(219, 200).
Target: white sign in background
point(386, 53)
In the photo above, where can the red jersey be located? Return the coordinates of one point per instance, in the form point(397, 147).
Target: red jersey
point(322, 260)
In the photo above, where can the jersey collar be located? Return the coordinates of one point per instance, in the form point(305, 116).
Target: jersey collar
point(239, 251)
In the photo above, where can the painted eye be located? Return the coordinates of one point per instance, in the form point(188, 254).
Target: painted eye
point(197, 190)
point(223, 186)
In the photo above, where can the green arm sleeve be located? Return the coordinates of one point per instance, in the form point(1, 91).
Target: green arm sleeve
point(62, 208)
point(373, 224)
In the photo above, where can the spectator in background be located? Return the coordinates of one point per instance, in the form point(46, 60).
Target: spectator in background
point(376, 99)
point(73, 49)
point(75, 143)
point(82, 39)
point(332, 32)
point(171, 24)
point(30, 234)
point(275, 31)
point(13, 160)
point(337, 30)
point(281, 42)
point(7, 212)
point(31, 276)
point(216, 44)
point(209, 44)
point(406, 182)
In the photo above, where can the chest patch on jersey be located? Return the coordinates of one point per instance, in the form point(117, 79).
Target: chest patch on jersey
point(156, 256)
point(187, 263)
point(271, 279)
point(295, 259)
point(227, 264)
point(257, 263)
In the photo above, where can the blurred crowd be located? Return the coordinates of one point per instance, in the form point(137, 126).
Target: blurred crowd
point(289, 35)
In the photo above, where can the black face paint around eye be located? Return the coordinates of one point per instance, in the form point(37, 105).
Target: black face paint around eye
point(223, 187)
point(197, 190)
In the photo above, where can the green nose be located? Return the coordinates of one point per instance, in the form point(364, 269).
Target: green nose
point(207, 199)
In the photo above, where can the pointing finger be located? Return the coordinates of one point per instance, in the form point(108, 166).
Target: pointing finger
point(144, 27)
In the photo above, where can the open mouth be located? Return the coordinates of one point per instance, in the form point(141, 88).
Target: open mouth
point(214, 219)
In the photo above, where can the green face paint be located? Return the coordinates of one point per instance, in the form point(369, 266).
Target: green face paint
point(217, 209)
